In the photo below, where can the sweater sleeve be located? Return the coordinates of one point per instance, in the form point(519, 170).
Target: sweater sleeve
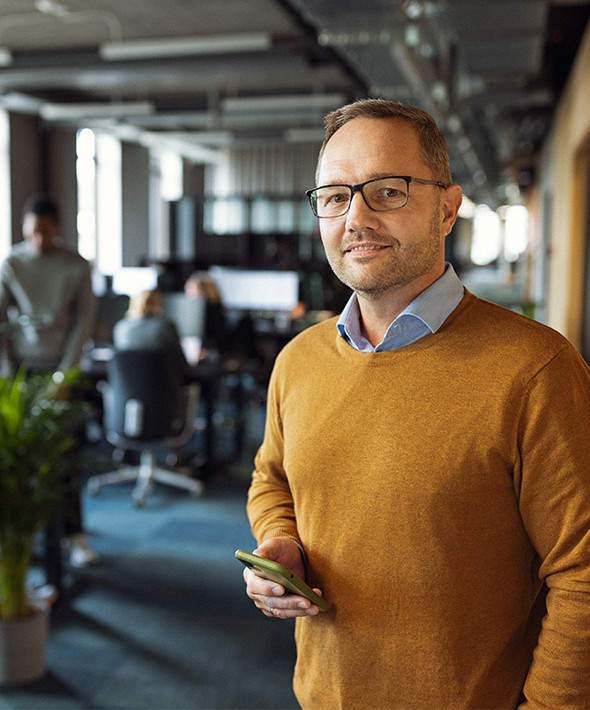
point(270, 502)
point(6, 300)
point(554, 495)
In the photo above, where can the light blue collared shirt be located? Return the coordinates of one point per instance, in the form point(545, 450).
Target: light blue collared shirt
point(425, 314)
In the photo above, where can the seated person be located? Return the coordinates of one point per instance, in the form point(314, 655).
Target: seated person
point(216, 338)
point(146, 326)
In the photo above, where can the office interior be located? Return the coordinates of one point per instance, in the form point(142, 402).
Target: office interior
point(179, 137)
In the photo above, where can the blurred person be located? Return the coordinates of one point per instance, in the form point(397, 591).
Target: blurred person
point(216, 338)
point(146, 326)
point(425, 458)
point(47, 304)
point(48, 286)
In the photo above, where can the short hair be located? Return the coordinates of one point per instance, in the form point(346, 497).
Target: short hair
point(41, 205)
point(434, 148)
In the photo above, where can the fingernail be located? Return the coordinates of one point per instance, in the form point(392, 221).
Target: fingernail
point(277, 591)
point(303, 605)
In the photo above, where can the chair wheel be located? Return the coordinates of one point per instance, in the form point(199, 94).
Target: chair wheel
point(93, 488)
point(198, 491)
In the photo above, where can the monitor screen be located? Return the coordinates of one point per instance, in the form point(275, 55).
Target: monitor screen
point(132, 280)
point(187, 313)
point(257, 290)
point(99, 283)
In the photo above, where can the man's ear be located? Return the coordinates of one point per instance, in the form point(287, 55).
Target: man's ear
point(450, 207)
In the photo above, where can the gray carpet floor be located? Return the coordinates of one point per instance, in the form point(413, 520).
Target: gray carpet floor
point(163, 623)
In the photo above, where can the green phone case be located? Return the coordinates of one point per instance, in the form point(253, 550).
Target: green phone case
point(282, 575)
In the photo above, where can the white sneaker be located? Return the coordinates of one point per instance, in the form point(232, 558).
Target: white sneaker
point(42, 595)
point(81, 554)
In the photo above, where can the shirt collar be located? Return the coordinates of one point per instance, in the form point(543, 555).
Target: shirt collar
point(436, 303)
point(433, 306)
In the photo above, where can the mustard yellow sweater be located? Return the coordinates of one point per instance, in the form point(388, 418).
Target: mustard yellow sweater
point(439, 490)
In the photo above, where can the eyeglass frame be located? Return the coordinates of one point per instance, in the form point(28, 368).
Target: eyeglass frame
point(359, 188)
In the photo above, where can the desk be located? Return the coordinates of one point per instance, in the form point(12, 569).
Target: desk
point(208, 376)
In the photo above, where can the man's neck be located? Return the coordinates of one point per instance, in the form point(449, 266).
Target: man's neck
point(376, 317)
point(377, 312)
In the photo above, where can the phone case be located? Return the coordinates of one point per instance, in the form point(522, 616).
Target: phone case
point(282, 575)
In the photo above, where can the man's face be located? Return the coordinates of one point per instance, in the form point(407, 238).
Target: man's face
point(40, 231)
point(377, 252)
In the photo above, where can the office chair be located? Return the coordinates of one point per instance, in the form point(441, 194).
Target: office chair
point(147, 406)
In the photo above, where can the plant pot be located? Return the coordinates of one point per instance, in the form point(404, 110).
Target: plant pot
point(22, 648)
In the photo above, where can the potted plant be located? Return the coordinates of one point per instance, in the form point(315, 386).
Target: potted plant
point(36, 445)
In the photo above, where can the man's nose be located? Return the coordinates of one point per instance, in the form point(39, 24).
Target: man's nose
point(359, 214)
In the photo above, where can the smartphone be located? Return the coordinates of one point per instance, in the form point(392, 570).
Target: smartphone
point(276, 572)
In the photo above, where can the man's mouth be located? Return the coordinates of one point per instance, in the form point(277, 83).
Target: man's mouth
point(366, 247)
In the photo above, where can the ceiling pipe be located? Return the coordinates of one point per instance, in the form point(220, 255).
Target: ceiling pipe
point(123, 50)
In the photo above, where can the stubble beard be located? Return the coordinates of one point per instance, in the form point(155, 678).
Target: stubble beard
point(406, 263)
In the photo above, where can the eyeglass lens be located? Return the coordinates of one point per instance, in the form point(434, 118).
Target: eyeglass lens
point(381, 195)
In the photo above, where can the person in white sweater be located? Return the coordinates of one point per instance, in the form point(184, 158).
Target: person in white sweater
point(47, 312)
point(46, 292)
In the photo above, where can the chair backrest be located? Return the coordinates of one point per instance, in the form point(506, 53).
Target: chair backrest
point(110, 308)
point(144, 398)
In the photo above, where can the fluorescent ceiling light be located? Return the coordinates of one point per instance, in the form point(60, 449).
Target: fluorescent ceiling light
point(207, 138)
point(185, 46)
point(191, 151)
point(20, 103)
point(282, 103)
point(73, 112)
point(174, 120)
point(304, 135)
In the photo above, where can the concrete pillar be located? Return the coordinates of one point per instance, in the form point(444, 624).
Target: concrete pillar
point(135, 173)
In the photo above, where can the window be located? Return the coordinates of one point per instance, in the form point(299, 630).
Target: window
point(5, 215)
point(516, 227)
point(86, 178)
point(485, 245)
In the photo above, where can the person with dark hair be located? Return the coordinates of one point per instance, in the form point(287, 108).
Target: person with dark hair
point(425, 462)
point(47, 289)
point(42, 205)
point(46, 300)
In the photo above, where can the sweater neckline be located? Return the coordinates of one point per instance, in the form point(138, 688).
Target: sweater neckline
point(385, 357)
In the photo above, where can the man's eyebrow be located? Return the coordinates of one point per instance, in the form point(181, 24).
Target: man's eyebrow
point(374, 176)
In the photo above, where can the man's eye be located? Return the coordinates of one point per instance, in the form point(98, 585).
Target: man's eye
point(338, 198)
point(390, 192)
point(329, 198)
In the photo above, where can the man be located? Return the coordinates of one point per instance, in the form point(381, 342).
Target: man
point(46, 297)
point(426, 456)
point(49, 288)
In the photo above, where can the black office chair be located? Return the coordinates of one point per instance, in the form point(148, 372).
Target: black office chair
point(146, 407)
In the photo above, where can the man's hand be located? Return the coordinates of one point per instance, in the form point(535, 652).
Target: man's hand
point(269, 596)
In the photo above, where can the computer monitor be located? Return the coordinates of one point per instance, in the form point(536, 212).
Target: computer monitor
point(257, 290)
point(188, 315)
point(131, 280)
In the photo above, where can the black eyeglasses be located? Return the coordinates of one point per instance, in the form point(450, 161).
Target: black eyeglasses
point(380, 194)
